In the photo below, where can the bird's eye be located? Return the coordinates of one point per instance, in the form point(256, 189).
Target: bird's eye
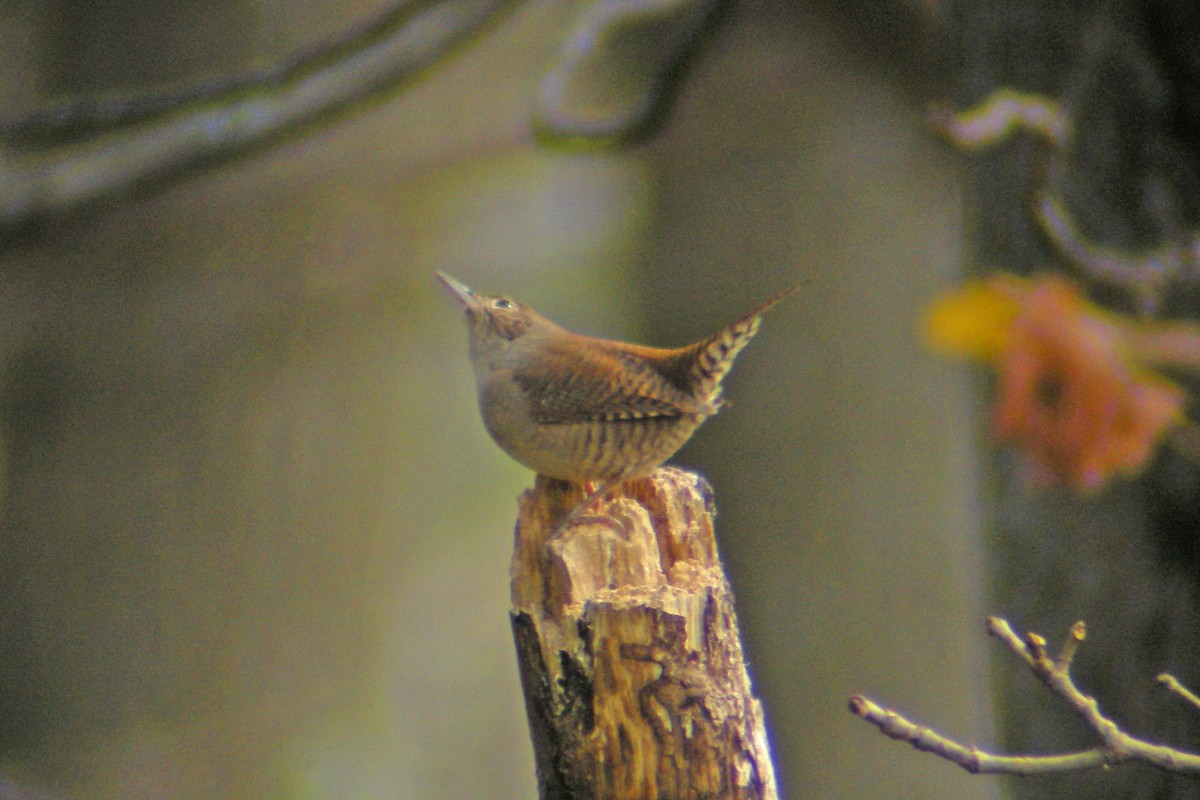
point(503, 303)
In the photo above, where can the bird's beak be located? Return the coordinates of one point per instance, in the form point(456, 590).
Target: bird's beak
point(459, 291)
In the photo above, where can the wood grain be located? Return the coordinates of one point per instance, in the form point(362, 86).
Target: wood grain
point(628, 647)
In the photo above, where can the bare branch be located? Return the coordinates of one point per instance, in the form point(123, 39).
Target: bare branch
point(156, 140)
point(972, 759)
point(1116, 746)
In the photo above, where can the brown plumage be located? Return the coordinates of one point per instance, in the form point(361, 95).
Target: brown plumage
point(582, 409)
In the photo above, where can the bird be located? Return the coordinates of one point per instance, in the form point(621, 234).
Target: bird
point(587, 410)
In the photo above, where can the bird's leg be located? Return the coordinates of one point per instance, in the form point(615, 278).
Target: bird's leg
point(594, 492)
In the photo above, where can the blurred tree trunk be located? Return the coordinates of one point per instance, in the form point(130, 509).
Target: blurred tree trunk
point(1124, 560)
point(844, 467)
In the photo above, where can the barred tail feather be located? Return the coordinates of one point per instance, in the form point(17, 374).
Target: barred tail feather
point(716, 354)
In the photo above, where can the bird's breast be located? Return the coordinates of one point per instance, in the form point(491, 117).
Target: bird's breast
point(586, 450)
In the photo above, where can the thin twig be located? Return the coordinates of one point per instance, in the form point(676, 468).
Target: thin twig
point(1172, 684)
point(972, 759)
point(1116, 746)
point(1075, 638)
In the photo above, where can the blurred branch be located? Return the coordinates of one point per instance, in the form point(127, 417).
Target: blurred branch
point(614, 78)
point(611, 82)
point(1148, 274)
point(1005, 113)
point(81, 153)
point(1116, 746)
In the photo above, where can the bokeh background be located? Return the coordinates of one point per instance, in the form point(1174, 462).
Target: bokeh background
point(254, 538)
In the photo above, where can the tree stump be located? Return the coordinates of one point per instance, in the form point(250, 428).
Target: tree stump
point(629, 650)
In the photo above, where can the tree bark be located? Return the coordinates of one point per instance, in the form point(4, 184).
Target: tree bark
point(628, 648)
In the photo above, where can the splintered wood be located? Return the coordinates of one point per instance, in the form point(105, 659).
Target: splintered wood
point(629, 651)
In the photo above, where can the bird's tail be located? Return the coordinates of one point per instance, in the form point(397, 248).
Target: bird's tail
point(714, 356)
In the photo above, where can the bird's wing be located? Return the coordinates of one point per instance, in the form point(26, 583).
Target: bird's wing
point(599, 383)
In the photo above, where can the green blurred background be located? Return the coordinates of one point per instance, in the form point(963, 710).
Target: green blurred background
point(255, 539)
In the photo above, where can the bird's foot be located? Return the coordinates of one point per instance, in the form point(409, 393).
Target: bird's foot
point(595, 491)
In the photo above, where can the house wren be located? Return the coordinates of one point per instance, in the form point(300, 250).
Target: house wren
point(583, 409)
